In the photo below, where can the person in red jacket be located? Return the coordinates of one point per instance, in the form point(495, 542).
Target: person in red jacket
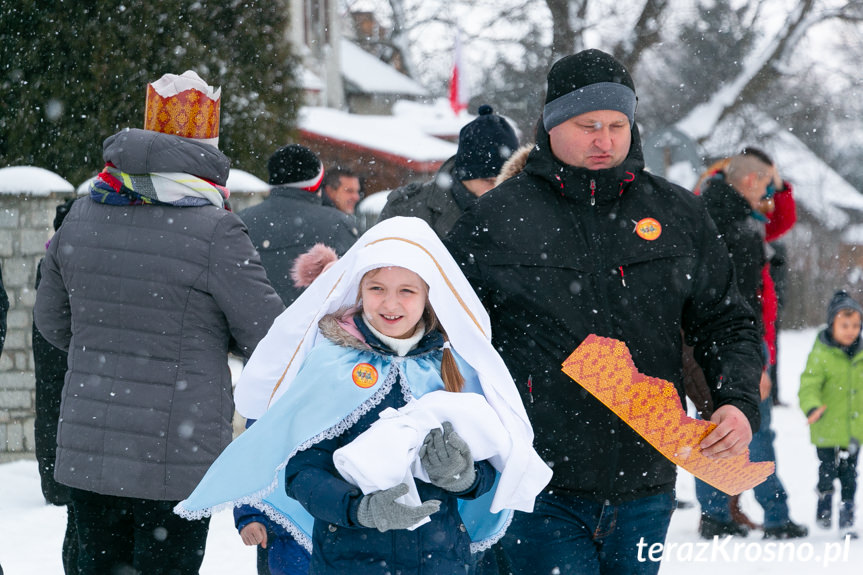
point(781, 214)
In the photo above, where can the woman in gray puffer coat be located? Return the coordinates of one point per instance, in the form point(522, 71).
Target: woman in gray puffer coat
point(148, 284)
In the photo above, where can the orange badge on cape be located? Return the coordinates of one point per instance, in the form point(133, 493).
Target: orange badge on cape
point(364, 375)
point(648, 229)
point(651, 406)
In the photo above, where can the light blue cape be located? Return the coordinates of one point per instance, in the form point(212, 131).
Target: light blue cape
point(322, 403)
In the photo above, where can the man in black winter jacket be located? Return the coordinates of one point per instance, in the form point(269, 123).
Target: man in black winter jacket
point(584, 241)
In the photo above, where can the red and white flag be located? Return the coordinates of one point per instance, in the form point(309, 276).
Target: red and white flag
point(458, 91)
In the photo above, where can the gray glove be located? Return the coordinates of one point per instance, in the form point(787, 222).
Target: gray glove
point(381, 511)
point(447, 459)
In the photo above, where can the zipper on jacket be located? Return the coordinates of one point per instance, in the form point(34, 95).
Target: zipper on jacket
point(592, 192)
point(530, 387)
point(622, 279)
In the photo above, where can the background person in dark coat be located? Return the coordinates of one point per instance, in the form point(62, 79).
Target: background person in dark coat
point(733, 197)
point(147, 285)
point(483, 146)
point(49, 364)
point(292, 219)
point(585, 241)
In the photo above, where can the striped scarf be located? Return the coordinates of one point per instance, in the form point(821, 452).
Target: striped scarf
point(118, 188)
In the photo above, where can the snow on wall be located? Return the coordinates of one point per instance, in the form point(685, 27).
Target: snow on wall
point(30, 180)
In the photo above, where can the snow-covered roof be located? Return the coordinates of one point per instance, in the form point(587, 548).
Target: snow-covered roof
point(817, 187)
point(435, 118)
point(32, 181)
point(310, 81)
point(373, 76)
point(401, 135)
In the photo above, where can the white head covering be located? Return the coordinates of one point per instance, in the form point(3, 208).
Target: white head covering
point(405, 242)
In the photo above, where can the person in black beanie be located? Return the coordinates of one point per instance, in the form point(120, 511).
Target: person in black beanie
point(483, 146)
point(582, 240)
point(292, 219)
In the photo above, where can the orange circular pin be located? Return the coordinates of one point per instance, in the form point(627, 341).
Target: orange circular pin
point(648, 229)
point(364, 375)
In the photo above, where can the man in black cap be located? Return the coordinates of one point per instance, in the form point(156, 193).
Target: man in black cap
point(483, 146)
point(292, 219)
point(585, 241)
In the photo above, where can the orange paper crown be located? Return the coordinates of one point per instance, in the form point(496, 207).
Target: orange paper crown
point(651, 407)
point(190, 113)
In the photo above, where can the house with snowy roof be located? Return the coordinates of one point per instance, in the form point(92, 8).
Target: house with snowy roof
point(362, 113)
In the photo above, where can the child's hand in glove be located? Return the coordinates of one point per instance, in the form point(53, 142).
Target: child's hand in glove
point(381, 511)
point(447, 459)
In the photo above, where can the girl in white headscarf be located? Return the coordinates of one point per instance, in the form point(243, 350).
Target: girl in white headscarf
point(390, 435)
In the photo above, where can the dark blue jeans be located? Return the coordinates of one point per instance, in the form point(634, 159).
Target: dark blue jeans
point(770, 493)
point(570, 535)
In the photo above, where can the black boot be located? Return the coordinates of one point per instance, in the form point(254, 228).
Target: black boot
point(710, 528)
point(788, 530)
point(824, 511)
point(846, 520)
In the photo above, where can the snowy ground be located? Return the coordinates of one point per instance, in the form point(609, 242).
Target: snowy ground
point(31, 532)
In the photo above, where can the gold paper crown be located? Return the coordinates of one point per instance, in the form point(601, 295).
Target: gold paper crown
point(189, 113)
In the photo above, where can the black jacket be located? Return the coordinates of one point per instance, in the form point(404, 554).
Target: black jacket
point(49, 364)
point(554, 262)
point(438, 202)
point(743, 236)
point(287, 224)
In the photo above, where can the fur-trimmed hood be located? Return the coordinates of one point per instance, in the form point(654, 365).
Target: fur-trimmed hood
point(338, 327)
point(515, 164)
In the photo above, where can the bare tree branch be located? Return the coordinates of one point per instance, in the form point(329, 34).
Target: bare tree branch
point(755, 77)
point(647, 33)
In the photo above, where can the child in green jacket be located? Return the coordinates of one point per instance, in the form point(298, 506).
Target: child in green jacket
point(831, 396)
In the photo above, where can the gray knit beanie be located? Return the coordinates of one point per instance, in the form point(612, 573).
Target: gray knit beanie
point(588, 81)
point(841, 300)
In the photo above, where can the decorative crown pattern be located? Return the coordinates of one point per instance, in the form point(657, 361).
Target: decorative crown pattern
point(190, 114)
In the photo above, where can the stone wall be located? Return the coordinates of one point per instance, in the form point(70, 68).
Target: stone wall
point(26, 224)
